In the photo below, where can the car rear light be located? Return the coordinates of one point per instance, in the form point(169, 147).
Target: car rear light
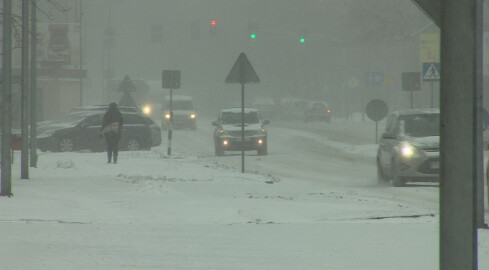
point(328, 111)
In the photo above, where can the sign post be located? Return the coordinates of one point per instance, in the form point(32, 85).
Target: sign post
point(372, 79)
point(376, 110)
point(411, 82)
point(170, 79)
point(242, 72)
point(431, 73)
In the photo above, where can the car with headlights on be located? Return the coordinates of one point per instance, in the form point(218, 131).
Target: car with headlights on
point(182, 111)
point(409, 149)
point(228, 132)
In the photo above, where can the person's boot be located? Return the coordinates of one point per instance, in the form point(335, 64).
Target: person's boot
point(109, 156)
point(115, 159)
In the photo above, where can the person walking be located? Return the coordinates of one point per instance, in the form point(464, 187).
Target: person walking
point(111, 130)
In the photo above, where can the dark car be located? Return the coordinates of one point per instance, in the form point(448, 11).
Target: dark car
point(409, 149)
point(81, 130)
point(228, 132)
point(155, 131)
point(104, 108)
point(317, 111)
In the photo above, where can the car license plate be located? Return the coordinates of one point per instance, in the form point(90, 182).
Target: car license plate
point(435, 165)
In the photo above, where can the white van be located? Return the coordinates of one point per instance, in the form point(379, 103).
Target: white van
point(184, 115)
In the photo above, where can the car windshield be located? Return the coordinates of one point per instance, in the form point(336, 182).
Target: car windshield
point(186, 105)
point(235, 117)
point(420, 125)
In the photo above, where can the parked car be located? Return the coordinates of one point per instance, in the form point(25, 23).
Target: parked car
point(409, 149)
point(184, 115)
point(104, 108)
point(80, 130)
point(228, 131)
point(317, 111)
point(292, 109)
point(155, 132)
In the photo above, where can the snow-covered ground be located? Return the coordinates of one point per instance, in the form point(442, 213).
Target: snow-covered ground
point(316, 208)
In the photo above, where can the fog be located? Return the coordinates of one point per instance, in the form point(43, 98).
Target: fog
point(324, 171)
point(344, 40)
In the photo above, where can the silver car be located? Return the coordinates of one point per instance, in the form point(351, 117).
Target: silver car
point(409, 149)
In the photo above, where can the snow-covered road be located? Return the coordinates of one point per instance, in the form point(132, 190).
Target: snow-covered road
point(312, 203)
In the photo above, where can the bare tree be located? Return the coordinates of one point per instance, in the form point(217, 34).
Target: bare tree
point(45, 7)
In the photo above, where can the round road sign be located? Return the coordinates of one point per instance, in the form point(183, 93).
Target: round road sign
point(376, 109)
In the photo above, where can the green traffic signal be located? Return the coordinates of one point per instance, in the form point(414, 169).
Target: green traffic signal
point(252, 36)
point(302, 40)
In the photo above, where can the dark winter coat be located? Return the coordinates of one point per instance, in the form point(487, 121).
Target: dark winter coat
point(112, 124)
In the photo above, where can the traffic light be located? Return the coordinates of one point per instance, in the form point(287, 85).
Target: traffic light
point(302, 40)
point(252, 30)
point(213, 26)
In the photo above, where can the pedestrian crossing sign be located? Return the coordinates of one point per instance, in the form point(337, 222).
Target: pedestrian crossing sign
point(431, 72)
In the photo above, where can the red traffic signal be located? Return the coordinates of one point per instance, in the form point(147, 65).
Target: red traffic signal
point(213, 22)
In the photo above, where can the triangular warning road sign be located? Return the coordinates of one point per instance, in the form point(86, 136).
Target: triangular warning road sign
point(126, 85)
point(432, 73)
point(242, 71)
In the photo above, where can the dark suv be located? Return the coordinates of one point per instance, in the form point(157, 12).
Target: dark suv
point(228, 132)
point(80, 130)
point(409, 149)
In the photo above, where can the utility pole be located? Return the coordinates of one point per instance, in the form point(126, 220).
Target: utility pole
point(6, 174)
point(33, 97)
point(458, 144)
point(24, 166)
point(81, 50)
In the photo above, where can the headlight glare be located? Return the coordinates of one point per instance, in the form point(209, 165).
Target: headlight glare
point(407, 150)
point(147, 109)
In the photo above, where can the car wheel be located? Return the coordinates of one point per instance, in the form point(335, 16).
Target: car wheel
point(133, 145)
point(397, 180)
point(263, 151)
point(219, 151)
point(66, 145)
point(381, 177)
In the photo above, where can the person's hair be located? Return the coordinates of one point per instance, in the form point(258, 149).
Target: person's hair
point(113, 105)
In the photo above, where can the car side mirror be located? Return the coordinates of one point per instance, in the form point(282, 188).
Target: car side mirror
point(266, 122)
point(215, 123)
